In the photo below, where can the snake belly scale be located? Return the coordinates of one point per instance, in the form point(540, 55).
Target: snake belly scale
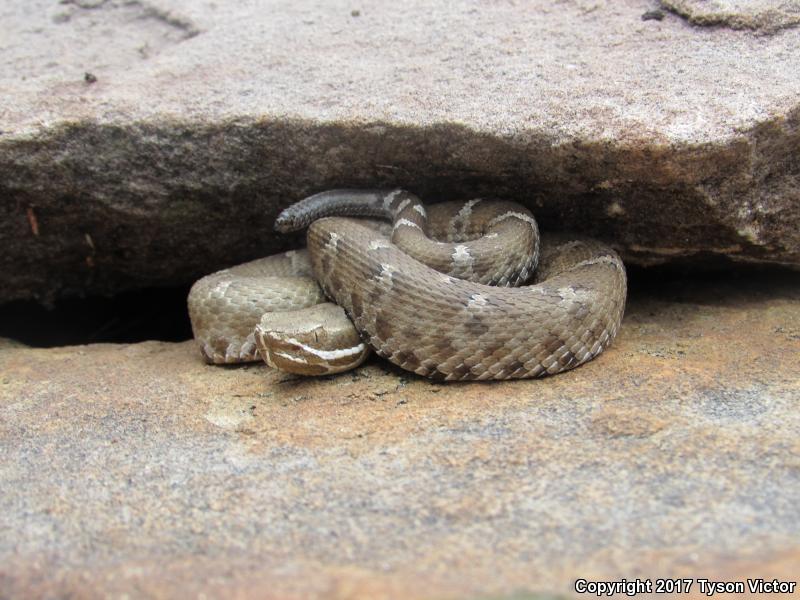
point(450, 295)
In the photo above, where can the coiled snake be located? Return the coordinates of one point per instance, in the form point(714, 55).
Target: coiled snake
point(444, 309)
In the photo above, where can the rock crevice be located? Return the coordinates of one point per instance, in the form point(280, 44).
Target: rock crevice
point(98, 209)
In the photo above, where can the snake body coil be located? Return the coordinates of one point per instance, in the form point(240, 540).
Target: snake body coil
point(458, 319)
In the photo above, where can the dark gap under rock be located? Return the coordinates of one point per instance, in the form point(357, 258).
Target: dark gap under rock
point(161, 313)
point(137, 316)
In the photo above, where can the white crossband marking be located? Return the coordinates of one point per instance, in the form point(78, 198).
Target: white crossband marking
point(298, 260)
point(466, 210)
point(570, 245)
point(386, 275)
point(222, 287)
point(387, 201)
point(333, 242)
point(459, 222)
point(379, 243)
point(402, 206)
point(407, 223)
point(476, 300)
point(249, 346)
point(461, 255)
point(513, 214)
point(231, 352)
point(462, 262)
point(596, 261)
point(421, 210)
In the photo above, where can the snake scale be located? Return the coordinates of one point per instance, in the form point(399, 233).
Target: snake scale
point(446, 296)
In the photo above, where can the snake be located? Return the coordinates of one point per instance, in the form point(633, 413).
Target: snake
point(450, 291)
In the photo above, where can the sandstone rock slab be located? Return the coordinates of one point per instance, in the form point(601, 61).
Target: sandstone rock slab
point(763, 16)
point(138, 470)
point(147, 143)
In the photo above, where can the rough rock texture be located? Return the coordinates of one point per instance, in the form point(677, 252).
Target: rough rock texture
point(148, 142)
point(139, 470)
point(762, 16)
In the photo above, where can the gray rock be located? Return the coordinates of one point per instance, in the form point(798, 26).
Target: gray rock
point(151, 142)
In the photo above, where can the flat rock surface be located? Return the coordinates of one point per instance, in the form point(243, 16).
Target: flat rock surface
point(139, 470)
point(147, 143)
point(762, 16)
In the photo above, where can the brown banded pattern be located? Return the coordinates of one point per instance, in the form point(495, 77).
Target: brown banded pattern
point(436, 299)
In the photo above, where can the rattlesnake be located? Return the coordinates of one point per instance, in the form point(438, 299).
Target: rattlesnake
point(456, 319)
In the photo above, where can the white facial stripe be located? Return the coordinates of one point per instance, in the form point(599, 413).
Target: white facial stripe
point(421, 210)
point(260, 334)
point(297, 359)
point(327, 354)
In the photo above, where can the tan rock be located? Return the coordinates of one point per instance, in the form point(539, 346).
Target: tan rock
point(763, 16)
point(139, 470)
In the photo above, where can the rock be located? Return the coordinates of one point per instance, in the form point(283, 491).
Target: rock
point(762, 16)
point(149, 143)
point(6, 343)
point(138, 470)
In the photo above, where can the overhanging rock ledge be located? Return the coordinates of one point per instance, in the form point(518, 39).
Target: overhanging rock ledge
point(149, 143)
